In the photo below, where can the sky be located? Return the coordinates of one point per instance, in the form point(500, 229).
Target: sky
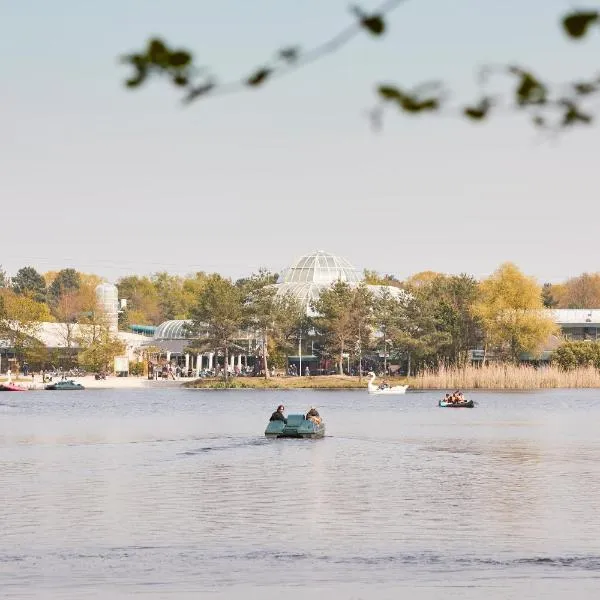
point(116, 182)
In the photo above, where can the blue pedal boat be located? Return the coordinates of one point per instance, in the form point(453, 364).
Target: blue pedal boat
point(296, 427)
point(65, 384)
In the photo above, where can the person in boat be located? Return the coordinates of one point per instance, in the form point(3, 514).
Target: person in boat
point(278, 414)
point(313, 415)
point(384, 386)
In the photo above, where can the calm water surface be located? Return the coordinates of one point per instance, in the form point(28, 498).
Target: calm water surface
point(176, 494)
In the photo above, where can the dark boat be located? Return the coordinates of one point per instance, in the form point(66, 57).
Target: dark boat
point(465, 404)
point(296, 427)
point(65, 384)
point(11, 387)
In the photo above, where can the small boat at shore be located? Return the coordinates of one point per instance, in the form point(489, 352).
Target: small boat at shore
point(463, 404)
point(64, 384)
point(11, 387)
point(297, 426)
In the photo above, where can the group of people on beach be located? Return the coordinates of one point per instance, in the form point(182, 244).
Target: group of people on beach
point(456, 398)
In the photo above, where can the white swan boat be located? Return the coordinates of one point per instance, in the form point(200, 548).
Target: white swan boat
point(375, 389)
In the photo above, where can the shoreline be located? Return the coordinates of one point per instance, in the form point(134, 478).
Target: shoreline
point(316, 382)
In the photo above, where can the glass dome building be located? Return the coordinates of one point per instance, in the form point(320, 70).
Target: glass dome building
point(313, 273)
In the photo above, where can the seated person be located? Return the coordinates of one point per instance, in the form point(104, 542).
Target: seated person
point(313, 415)
point(384, 386)
point(278, 414)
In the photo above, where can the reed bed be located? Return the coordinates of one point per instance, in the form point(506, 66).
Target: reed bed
point(505, 377)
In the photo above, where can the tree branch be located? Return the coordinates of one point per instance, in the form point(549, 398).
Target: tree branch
point(548, 109)
point(158, 59)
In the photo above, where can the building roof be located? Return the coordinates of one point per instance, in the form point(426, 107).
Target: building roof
point(321, 268)
point(313, 273)
point(172, 330)
point(584, 317)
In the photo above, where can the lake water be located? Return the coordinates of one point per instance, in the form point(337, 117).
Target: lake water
point(176, 494)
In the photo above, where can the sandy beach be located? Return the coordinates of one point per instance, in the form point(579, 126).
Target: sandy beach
point(90, 382)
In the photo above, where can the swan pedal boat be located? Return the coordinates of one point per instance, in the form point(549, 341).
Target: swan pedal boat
point(374, 389)
point(465, 404)
point(296, 427)
point(65, 384)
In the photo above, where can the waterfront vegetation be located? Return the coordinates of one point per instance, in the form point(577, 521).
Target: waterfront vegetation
point(506, 376)
point(426, 330)
point(491, 377)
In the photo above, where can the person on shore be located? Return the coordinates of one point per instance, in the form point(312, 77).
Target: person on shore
point(278, 414)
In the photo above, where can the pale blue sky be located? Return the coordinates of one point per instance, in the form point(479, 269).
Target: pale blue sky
point(105, 180)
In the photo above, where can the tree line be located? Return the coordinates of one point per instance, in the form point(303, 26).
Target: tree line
point(427, 320)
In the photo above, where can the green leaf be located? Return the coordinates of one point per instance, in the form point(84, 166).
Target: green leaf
point(374, 24)
point(584, 88)
point(158, 53)
point(530, 91)
point(138, 78)
point(180, 58)
point(577, 24)
point(259, 77)
point(480, 111)
point(388, 92)
point(180, 80)
point(573, 115)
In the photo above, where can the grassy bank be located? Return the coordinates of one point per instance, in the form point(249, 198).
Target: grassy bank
point(491, 377)
point(326, 382)
point(506, 377)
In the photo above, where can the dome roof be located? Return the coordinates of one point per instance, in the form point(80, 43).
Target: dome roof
point(321, 268)
point(314, 273)
point(172, 330)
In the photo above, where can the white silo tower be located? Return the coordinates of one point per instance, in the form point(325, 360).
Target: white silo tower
point(107, 296)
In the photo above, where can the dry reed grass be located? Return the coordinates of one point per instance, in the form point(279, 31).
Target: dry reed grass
point(506, 377)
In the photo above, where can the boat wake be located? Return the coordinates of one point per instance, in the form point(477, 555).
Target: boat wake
point(226, 445)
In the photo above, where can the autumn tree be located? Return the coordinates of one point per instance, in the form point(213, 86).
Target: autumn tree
point(510, 309)
point(28, 282)
point(372, 277)
point(582, 291)
point(217, 317)
point(97, 344)
point(171, 298)
point(98, 348)
point(68, 311)
point(66, 280)
point(20, 321)
point(143, 300)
